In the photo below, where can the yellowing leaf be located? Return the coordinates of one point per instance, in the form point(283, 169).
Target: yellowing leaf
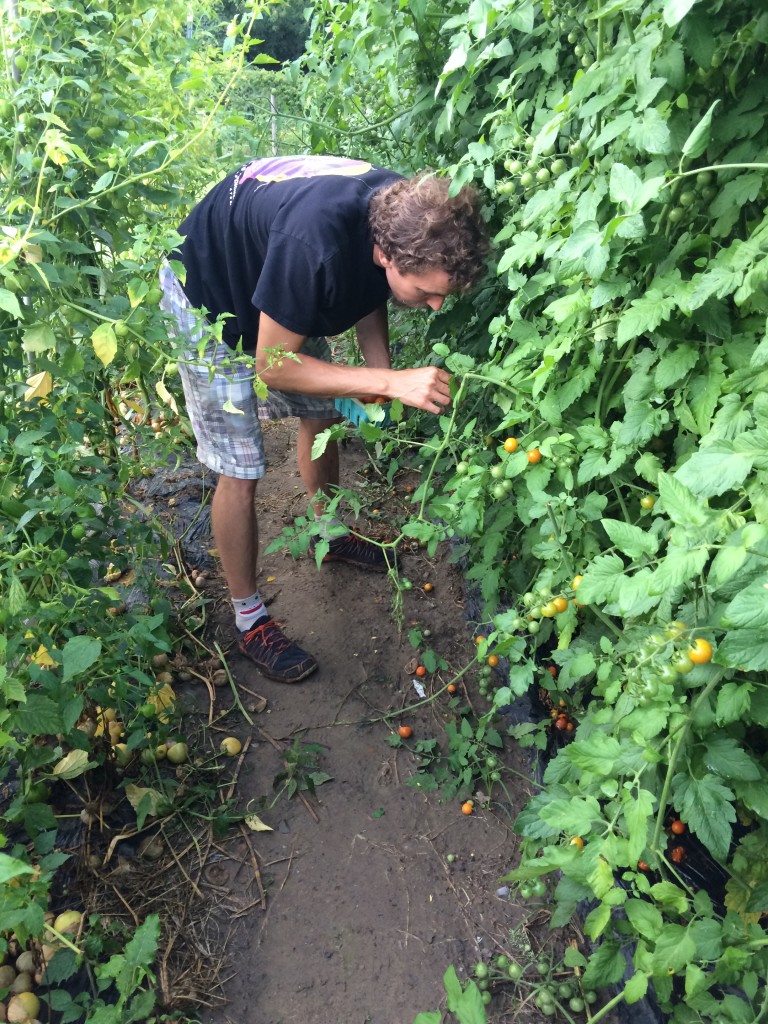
point(165, 396)
point(104, 343)
point(42, 657)
point(40, 385)
point(163, 700)
point(254, 822)
point(33, 253)
point(74, 764)
point(136, 794)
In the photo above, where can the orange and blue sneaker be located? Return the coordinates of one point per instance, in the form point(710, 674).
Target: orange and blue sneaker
point(357, 551)
point(274, 654)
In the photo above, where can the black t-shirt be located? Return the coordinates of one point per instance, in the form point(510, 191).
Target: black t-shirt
point(289, 236)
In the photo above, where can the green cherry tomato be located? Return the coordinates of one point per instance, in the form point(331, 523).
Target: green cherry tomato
point(502, 962)
point(590, 997)
point(534, 627)
point(462, 469)
point(543, 175)
point(676, 214)
point(495, 776)
point(647, 501)
point(542, 968)
point(78, 531)
point(481, 970)
point(682, 664)
point(558, 166)
point(486, 998)
point(406, 585)
point(491, 762)
point(498, 491)
point(687, 198)
point(539, 887)
point(549, 610)
point(515, 971)
point(525, 892)
point(667, 674)
point(526, 179)
point(497, 471)
point(576, 1004)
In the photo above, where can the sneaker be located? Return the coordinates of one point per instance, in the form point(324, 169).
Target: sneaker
point(356, 551)
point(274, 654)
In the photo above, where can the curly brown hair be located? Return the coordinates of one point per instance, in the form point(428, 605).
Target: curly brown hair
point(419, 226)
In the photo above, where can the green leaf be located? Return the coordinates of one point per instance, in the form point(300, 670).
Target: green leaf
point(667, 894)
point(674, 949)
point(39, 338)
point(644, 918)
point(602, 580)
point(62, 966)
point(141, 950)
point(597, 921)
point(679, 503)
point(606, 965)
point(79, 653)
point(646, 313)
point(725, 756)
point(733, 704)
point(597, 754)
point(743, 648)
point(758, 901)
point(698, 140)
point(631, 540)
point(680, 565)
point(705, 805)
point(638, 808)
point(716, 469)
point(40, 716)
point(433, 1017)
point(749, 608)
point(10, 868)
point(10, 303)
point(636, 988)
point(650, 133)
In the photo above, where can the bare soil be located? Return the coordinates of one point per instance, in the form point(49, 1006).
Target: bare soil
point(362, 911)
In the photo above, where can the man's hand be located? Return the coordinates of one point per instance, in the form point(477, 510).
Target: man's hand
point(426, 387)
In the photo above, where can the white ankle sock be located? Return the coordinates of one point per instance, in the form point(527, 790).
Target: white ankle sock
point(249, 611)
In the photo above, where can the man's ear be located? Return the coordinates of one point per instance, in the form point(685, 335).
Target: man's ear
point(379, 258)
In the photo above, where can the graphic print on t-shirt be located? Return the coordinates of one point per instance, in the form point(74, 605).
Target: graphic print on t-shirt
point(287, 168)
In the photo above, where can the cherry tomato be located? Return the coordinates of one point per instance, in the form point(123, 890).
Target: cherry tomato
point(642, 866)
point(462, 469)
point(576, 581)
point(578, 842)
point(647, 501)
point(534, 455)
point(682, 664)
point(511, 445)
point(700, 651)
point(421, 671)
point(467, 807)
point(675, 629)
point(560, 604)
point(549, 610)
point(677, 827)
point(515, 971)
point(493, 660)
point(677, 854)
point(404, 731)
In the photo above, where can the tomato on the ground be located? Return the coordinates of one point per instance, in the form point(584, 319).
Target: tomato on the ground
point(467, 807)
point(404, 731)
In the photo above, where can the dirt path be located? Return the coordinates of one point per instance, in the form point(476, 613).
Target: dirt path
point(363, 912)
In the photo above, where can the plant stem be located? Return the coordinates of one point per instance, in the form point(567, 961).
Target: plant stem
point(675, 753)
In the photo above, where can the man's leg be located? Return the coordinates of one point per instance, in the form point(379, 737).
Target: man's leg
point(318, 474)
point(323, 475)
point(235, 530)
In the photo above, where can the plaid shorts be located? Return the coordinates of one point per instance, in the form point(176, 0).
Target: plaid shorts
point(230, 442)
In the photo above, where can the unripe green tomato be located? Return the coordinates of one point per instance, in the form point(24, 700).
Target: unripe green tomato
point(578, 51)
point(6, 110)
point(120, 328)
point(77, 532)
point(576, 1004)
point(687, 198)
point(676, 215)
point(543, 175)
point(481, 970)
point(529, 142)
point(506, 483)
point(21, 62)
point(498, 491)
point(497, 471)
point(558, 166)
point(94, 132)
point(526, 179)
point(704, 178)
point(486, 998)
point(534, 627)
point(708, 193)
point(577, 148)
point(462, 469)
point(513, 166)
point(515, 971)
point(572, 37)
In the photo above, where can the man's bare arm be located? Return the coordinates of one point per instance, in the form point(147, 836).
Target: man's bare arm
point(425, 387)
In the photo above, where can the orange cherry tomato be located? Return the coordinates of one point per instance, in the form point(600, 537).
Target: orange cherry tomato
point(578, 842)
point(700, 651)
point(677, 827)
point(405, 731)
point(534, 455)
point(451, 687)
point(560, 603)
point(428, 587)
point(467, 807)
point(642, 866)
point(511, 445)
point(479, 639)
point(421, 671)
point(493, 660)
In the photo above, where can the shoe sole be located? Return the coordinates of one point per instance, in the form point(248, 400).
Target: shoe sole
point(303, 672)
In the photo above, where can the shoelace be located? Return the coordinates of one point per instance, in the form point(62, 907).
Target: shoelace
point(273, 636)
